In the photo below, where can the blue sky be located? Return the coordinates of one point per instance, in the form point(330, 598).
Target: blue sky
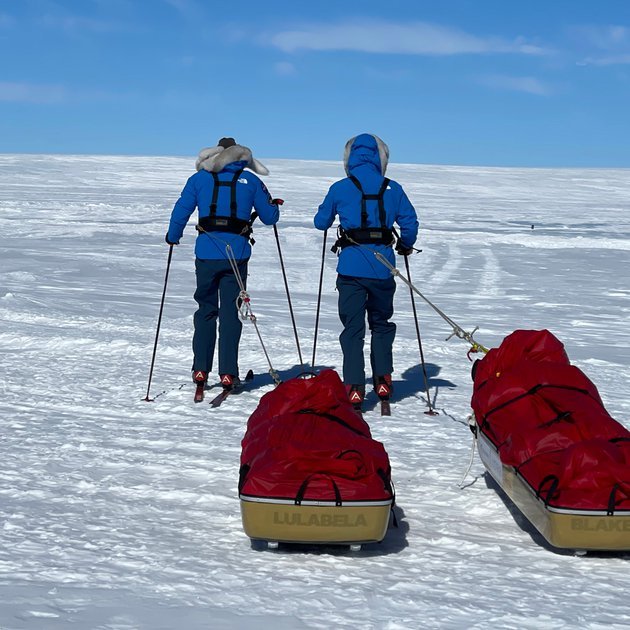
point(468, 82)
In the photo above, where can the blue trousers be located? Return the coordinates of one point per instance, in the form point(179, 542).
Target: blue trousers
point(356, 297)
point(217, 296)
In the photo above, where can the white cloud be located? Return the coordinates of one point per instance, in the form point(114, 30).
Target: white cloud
point(413, 38)
point(603, 37)
point(608, 45)
point(284, 68)
point(611, 60)
point(530, 85)
point(31, 93)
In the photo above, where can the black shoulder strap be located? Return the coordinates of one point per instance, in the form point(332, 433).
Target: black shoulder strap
point(378, 197)
point(215, 193)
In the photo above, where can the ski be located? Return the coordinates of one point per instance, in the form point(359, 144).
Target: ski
point(217, 400)
point(385, 408)
point(199, 391)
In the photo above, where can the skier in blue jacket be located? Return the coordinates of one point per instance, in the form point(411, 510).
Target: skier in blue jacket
point(224, 194)
point(367, 204)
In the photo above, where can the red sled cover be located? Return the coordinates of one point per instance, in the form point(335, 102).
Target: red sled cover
point(305, 442)
point(547, 420)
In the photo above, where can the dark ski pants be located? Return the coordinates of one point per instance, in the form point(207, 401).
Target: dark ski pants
point(217, 295)
point(356, 297)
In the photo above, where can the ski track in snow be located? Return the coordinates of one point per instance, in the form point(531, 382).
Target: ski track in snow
point(116, 513)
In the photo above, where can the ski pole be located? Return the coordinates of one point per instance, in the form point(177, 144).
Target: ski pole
point(319, 299)
point(157, 332)
point(431, 411)
point(286, 286)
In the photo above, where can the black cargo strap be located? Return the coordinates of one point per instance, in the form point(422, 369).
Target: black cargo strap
point(611, 500)
point(365, 235)
point(242, 475)
point(484, 424)
point(551, 493)
point(299, 497)
point(332, 418)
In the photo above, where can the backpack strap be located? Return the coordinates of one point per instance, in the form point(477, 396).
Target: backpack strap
point(377, 197)
point(367, 235)
point(230, 223)
point(215, 193)
point(364, 215)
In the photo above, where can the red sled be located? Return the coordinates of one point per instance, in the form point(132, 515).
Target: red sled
point(310, 470)
point(545, 437)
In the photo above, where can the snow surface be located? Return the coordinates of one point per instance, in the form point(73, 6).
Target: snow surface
point(120, 514)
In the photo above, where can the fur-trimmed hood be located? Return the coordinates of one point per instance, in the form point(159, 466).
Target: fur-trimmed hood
point(366, 148)
point(215, 159)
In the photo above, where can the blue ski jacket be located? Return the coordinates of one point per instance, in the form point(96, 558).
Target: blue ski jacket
point(364, 162)
point(197, 193)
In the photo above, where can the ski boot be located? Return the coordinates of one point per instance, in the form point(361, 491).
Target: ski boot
point(383, 386)
point(356, 394)
point(229, 382)
point(200, 378)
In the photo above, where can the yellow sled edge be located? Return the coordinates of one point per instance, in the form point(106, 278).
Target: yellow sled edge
point(561, 528)
point(323, 523)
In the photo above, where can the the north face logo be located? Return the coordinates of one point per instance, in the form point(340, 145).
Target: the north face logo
point(242, 180)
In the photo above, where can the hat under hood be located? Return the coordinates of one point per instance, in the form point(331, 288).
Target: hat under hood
point(215, 159)
point(366, 148)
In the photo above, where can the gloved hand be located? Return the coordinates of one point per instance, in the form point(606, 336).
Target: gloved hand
point(402, 249)
point(277, 202)
point(169, 242)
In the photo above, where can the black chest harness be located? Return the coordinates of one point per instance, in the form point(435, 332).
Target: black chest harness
point(231, 223)
point(364, 235)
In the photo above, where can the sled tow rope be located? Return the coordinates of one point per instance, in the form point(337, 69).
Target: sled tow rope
point(245, 310)
point(472, 425)
point(458, 331)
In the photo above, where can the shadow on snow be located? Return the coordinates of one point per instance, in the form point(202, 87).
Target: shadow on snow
point(414, 385)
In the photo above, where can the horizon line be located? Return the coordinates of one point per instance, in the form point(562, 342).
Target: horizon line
point(340, 161)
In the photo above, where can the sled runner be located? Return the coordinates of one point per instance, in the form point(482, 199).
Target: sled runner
point(310, 470)
point(545, 437)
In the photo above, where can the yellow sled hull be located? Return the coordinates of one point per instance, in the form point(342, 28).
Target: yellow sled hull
point(323, 523)
point(561, 527)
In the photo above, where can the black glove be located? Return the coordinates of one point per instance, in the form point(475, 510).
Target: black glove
point(402, 249)
point(277, 202)
point(169, 242)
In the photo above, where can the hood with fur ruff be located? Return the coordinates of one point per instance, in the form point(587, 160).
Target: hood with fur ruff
point(215, 159)
point(365, 148)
